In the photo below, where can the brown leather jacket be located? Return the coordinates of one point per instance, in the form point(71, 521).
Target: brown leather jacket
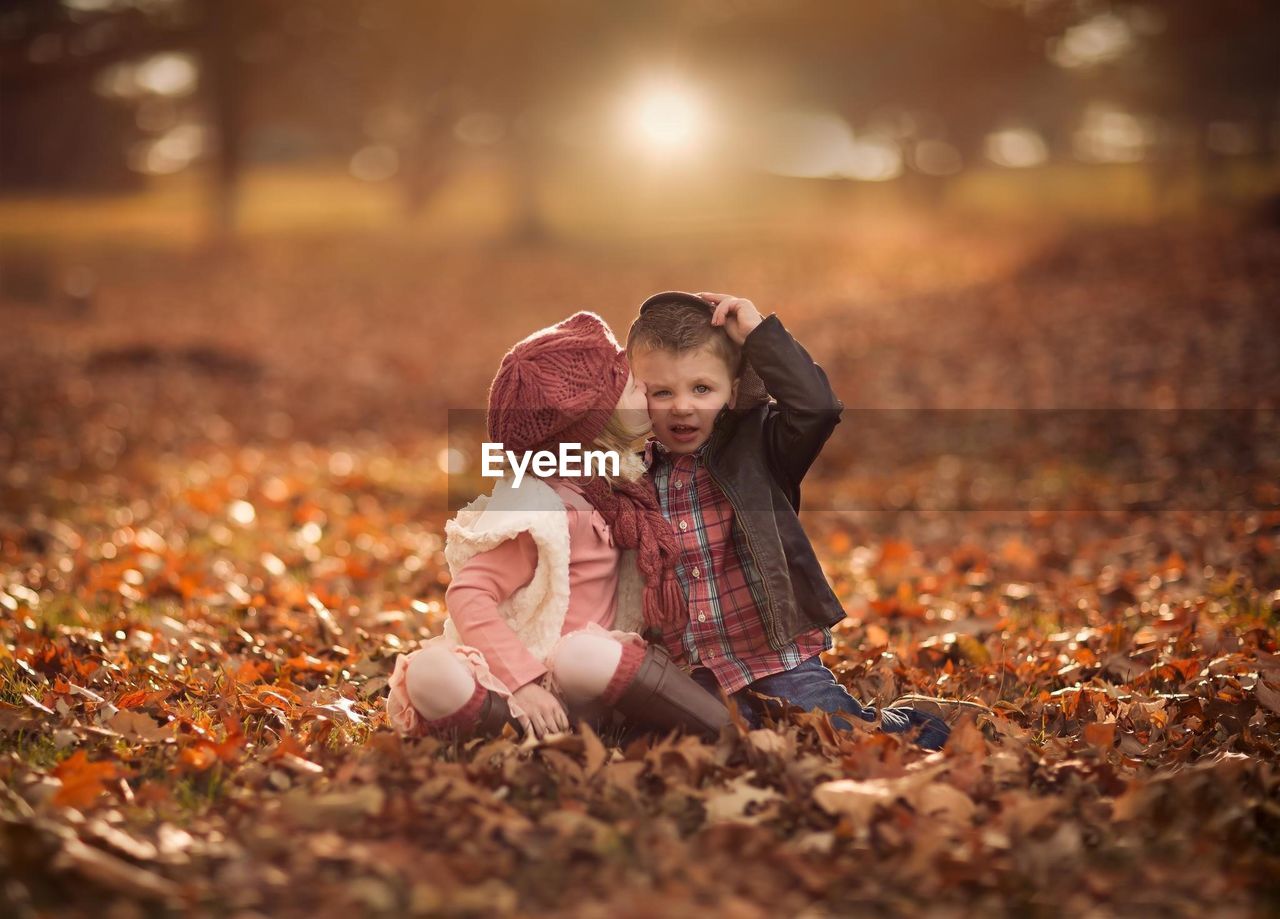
point(757, 453)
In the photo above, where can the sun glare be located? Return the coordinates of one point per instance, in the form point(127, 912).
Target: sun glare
point(665, 118)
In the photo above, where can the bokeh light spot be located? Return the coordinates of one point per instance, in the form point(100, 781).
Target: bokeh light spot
point(1016, 148)
point(665, 118)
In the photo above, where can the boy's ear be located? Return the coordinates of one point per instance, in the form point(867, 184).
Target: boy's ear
point(733, 394)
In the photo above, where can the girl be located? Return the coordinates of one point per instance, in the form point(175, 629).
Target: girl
point(551, 580)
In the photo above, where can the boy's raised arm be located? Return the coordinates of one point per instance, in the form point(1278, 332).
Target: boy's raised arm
point(807, 409)
point(786, 368)
point(788, 372)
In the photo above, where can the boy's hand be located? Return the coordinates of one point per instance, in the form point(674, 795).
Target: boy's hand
point(738, 316)
point(547, 714)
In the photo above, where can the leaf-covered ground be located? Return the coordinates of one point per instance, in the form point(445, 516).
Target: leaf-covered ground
point(222, 510)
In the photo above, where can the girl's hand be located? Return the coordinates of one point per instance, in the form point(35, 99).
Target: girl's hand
point(546, 713)
point(738, 316)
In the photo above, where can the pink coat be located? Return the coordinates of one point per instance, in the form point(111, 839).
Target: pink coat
point(498, 659)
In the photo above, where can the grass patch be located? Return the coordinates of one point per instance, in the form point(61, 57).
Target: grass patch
point(34, 747)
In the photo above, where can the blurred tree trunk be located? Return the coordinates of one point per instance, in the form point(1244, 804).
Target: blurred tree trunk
point(225, 92)
point(56, 131)
point(57, 134)
point(424, 170)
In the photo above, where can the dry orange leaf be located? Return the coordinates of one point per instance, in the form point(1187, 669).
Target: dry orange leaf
point(252, 671)
point(877, 637)
point(895, 552)
point(1100, 734)
point(199, 756)
point(82, 780)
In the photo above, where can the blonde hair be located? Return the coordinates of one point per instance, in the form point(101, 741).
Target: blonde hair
point(627, 442)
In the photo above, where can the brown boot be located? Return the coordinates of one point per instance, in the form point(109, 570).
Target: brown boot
point(663, 696)
point(494, 713)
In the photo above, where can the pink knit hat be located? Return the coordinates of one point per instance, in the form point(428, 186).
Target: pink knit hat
point(559, 385)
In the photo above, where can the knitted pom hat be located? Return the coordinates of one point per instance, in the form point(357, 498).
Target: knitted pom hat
point(559, 385)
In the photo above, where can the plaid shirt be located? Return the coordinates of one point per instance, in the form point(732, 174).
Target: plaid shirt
point(721, 581)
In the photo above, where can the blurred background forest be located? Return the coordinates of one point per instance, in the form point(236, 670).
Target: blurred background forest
point(180, 119)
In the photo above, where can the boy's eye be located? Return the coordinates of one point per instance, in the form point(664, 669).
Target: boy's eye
point(659, 393)
point(701, 388)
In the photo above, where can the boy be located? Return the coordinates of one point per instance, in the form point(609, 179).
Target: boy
point(726, 464)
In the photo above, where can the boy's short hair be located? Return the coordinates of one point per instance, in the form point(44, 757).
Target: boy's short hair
point(679, 324)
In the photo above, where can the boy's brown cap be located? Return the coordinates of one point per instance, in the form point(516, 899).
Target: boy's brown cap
point(679, 296)
point(751, 389)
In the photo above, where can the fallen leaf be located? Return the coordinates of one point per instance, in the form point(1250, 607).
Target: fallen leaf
point(1100, 733)
point(877, 637)
point(593, 750)
point(336, 809)
point(137, 726)
point(621, 775)
point(1268, 697)
point(341, 709)
point(732, 803)
point(113, 873)
point(82, 781)
point(34, 703)
point(945, 803)
point(769, 741)
point(859, 799)
point(200, 755)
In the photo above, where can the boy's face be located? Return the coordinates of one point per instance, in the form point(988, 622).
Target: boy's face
point(685, 393)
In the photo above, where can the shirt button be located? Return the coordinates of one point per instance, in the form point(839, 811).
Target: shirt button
point(702, 617)
point(697, 572)
point(684, 524)
point(679, 484)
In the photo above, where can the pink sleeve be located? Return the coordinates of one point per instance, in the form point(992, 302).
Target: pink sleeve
point(473, 596)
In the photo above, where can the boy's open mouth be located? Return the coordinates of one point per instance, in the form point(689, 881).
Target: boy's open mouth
point(683, 432)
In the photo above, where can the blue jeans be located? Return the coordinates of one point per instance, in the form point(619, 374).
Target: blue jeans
point(810, 685)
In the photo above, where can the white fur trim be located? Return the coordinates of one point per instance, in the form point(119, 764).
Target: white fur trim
point(536, 611)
